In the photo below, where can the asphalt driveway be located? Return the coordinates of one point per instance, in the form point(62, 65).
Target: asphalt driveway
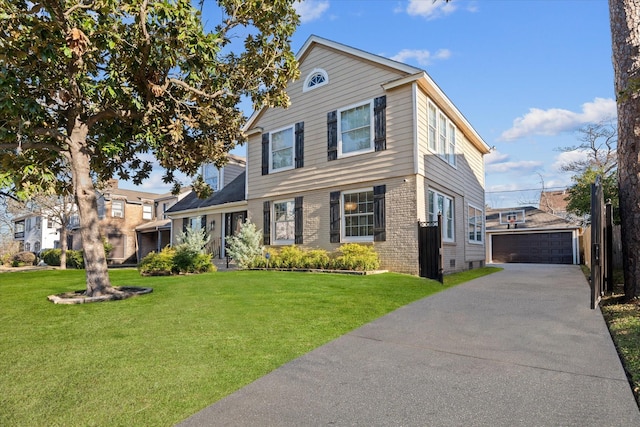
point(517, 348)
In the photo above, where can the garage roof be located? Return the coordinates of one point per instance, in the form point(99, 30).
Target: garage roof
point(534, 219)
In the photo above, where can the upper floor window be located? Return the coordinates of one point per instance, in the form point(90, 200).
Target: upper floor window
point(282, 149)
point(211, 175)
point(315, 79)
point(476, 221)
point(147, 211)
point(441, 134)
point(117, 208)
point(355, 129)
point(442, 204)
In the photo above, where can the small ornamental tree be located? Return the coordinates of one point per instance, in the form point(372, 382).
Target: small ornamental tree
point(88, 87)
point(246, 246)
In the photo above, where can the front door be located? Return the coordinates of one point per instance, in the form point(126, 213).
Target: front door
point(232, 223)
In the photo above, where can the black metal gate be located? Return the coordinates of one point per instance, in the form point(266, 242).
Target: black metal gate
point(430, 249)
point(601, 244)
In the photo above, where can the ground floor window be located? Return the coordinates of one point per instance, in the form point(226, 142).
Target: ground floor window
point(476, 221)
point(357, 211)
point(284, 222)
point(440, 203)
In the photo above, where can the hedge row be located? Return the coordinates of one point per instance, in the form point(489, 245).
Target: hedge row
point(350, 256)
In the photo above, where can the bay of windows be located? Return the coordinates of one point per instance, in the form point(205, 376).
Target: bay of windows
point(441, 134)
point(476, 221)
point(440, 203)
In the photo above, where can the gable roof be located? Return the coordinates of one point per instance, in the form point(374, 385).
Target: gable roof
point(232, 192)
point(412, 74)
point(535, 219)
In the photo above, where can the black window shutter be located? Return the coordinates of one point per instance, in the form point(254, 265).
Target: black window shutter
point(185, 224)
point(265, 154)
point(334, 217)
point(203, 222)
point(299, 145)
point(379, 222)
point(380, 123)
point(332, 135)
point(266, 239)
point(298, 220)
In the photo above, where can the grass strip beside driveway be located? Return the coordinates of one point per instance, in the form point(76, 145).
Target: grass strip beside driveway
point(159, 358)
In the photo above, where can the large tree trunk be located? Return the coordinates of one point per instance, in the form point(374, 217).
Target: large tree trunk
point(95, 261)
point(625, 34)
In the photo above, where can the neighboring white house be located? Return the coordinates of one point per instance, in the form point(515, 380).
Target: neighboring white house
point(36, 232)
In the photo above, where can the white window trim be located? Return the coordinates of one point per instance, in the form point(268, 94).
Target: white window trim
point(450, 142)
point(482, 215)
point(306, 87)
point(343, 220)
point(445, 238)
point(273, 223)
point(218, 174)
point(371, 130)
point(147, 214)
point(121, 211)
point(293, 149)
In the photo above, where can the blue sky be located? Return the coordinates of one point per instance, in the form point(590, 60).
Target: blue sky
point(525, 73)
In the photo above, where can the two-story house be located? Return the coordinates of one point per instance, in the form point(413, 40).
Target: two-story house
point(36, 231)
point(367, 150)
point(123, 214)
point(220, 215)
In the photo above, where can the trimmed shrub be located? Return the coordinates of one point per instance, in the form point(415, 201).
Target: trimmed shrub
point(352, 256)
point(316, 258)
point(290, 257)
point(158, 264)
point(24, 258)
point(186, 260)
point(51, 256)
point(75, 259)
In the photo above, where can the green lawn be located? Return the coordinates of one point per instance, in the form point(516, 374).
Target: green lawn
point(159, 358)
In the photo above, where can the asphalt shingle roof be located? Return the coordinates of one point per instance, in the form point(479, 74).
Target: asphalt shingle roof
point(233, 192)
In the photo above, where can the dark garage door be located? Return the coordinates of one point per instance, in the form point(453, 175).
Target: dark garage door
point(537, 248)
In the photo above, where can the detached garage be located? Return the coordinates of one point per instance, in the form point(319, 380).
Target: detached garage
point(529, 235)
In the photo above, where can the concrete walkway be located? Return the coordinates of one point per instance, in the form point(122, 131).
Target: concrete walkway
point(517, 348)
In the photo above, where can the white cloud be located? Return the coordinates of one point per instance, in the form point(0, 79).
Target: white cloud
point(568, 157)
point(310, 10)
point(557, 120)
point(430, 9)
point(422, 57)
point(497, 162)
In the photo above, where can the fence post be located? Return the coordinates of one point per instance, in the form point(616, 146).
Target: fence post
point(608, 242)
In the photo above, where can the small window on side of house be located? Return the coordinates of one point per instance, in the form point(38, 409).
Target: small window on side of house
point(315, 79)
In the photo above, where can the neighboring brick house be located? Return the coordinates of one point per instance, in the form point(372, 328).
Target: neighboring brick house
point(555, 202)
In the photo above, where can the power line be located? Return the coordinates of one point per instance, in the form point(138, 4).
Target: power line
point(526, 189)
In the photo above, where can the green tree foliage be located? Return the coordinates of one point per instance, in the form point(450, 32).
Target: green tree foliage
point(580, 191)
point(87, 87)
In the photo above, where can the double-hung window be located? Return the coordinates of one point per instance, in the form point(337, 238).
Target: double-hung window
point(441, 134)
point(440, 203)
point(117, 208)
point(355, 129)
point(476, 221)
point(211, 175)
point(282, 149)
point(284, 222)
point(147, 211)
point(357, 210)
